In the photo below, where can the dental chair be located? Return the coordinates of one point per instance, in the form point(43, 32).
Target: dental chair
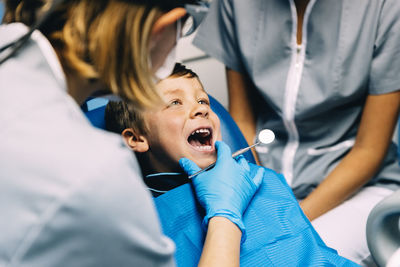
point(383, 233)
point(94, 108)
point(383, 228)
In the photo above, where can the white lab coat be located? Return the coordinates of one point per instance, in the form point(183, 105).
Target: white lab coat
point(70, 195)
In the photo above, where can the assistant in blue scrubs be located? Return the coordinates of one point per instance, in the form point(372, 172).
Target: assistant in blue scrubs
point(324, 76)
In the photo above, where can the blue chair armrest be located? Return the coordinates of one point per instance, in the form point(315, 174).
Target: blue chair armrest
point(383, 233)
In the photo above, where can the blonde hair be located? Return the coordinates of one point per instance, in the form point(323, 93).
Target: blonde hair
point(24, 11)
point(105, 40)
point(112, 46)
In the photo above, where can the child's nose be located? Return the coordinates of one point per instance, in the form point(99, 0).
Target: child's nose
point(200, 110)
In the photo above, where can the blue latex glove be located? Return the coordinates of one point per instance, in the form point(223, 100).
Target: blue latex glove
point(227, 188)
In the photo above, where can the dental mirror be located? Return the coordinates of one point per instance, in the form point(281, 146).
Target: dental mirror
point(266, 136)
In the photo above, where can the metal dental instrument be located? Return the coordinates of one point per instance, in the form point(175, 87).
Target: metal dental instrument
point(266, 136)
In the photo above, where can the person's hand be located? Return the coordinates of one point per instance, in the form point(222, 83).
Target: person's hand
point(227, 188)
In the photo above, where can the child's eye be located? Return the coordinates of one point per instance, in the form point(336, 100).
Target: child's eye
point(204, 102)
point(175, 102)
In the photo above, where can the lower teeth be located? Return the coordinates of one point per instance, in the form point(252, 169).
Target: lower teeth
point(204, 147)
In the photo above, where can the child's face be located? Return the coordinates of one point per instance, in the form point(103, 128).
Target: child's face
point(185, 126)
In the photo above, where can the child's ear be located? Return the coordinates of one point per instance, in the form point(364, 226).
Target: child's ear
point(135, 141)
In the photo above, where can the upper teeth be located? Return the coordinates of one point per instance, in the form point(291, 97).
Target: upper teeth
point(201, 131)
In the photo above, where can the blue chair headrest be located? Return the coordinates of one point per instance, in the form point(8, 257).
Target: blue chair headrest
point(1, 10)
point(230, 132)
point(94, 108)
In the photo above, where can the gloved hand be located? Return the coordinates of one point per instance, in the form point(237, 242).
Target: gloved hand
point(227, 188)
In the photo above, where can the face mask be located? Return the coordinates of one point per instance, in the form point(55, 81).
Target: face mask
point(166, 69)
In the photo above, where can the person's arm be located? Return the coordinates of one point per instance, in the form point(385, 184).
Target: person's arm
point(222, 245)
point(364, 159)
point(240, 104)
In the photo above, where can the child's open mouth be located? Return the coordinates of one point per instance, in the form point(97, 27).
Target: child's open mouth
point(201, 139)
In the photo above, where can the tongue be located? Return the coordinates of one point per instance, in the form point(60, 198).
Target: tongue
point(195, 142)
point(199, 139)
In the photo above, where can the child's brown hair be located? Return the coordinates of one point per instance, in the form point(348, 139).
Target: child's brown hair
point(120, 115)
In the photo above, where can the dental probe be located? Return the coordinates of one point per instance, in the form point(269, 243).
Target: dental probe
point(237, 153)
point(266, 136)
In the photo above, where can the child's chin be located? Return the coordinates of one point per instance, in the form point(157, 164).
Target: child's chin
point(205, 163)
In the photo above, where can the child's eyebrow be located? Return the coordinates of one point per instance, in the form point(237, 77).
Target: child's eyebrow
point(173, 91)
